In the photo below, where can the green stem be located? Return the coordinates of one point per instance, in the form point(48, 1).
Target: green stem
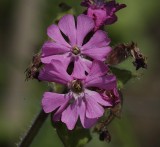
point(61, 138)
point(33, 130)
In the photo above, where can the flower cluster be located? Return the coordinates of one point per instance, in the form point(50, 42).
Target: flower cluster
point(74, 56)
point(103, 13)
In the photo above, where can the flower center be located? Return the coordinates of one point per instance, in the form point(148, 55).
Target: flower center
point(76, 86)
point(75, 50)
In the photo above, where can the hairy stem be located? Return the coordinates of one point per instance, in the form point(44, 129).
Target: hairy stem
point(33, 130)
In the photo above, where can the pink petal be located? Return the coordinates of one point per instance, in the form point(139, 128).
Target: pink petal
point(55, 72)
point(87, 64)
point(51, 101)
point(107, 82)
point(84, 25)
point(66, 58)
point(97, 47)
point(54, 33)
point(99, 16)
point(98, 40)
point(97, 77)
point(58, 113)
point(86, 122)
point(67, 26)
point(80, 66)
point(89, 122)
point(97, 97)
point(52, 48)
point(98, 53)
point(97, 69)
point(70, 116)
point(93, 109)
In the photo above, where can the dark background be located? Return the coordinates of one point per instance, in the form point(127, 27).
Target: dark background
point(23, 25)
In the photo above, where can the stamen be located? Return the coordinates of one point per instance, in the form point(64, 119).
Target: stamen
point(75, 50)
point(76, 86)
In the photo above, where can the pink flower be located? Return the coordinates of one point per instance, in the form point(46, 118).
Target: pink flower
point(82, 99)
point(102, 12)
point(67, 43)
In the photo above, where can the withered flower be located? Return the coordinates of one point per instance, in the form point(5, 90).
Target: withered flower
point(32, 71)
point(122, 51)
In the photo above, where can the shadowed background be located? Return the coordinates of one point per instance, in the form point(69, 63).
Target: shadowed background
point(23, 27)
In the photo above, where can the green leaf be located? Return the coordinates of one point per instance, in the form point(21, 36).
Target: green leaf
point(123, 76)
point(64, 9)
point(72, 138)
point(60, 15)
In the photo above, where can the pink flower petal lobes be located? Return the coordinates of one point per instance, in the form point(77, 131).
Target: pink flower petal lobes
point(98, 15)
point(84, 25)
point(106, 82)
point(93, 109)
point(51, 49)
point(55, 72)
point(86, 122)
point(98, 69)
point(86, 63)
point(55, 34)
point(89, 122)
point(98, 77)
point(97, 47)
point(80, 66)
point(98, 40)
point(98, 53)
point(51, 101)
point(66, 58)
point(57, 115)
point(70, 116)
point(67, 26)
point(97, 98)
